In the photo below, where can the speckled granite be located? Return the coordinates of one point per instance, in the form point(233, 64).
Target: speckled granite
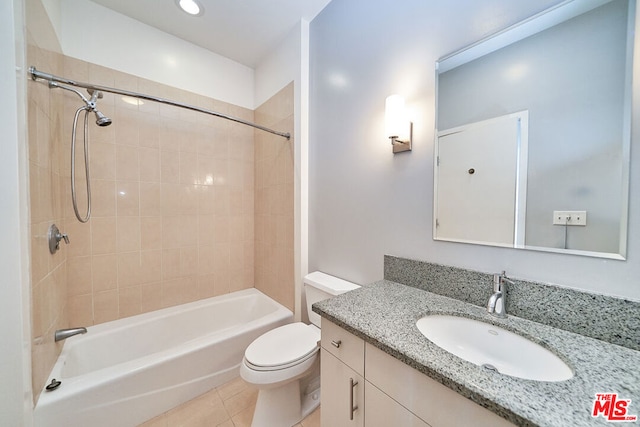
point(384, 314)
point(611, 319)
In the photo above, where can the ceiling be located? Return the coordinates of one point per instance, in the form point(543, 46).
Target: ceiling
point(242, 30)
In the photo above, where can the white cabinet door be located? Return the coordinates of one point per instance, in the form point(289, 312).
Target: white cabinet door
point(383, 411)
point(342, 387)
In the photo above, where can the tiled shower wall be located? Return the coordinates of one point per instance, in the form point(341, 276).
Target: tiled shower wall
point(274, 205)
point(172, 203)
point(46, 189)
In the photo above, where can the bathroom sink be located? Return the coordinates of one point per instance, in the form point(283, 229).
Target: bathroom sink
point(493, 348)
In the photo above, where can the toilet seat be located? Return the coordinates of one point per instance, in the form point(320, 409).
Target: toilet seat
point(283, 347)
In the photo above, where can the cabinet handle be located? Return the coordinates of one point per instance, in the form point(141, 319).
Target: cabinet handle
point(352, 385)
point(336, 344)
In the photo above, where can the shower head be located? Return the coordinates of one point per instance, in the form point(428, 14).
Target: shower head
point(101, 119)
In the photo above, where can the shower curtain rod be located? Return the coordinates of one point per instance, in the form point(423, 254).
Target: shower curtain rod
point(35, 75)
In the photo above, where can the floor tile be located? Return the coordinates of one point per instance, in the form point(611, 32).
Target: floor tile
point(230, 405)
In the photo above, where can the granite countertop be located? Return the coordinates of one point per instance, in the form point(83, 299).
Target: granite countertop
point(384, 314)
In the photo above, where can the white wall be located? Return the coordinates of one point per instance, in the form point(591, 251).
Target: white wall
point(15, 393)
point(364, 201)
point(93, 33)
point(290, 62)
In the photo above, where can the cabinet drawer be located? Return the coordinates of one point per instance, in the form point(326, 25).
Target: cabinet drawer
point(436, 404)
point(344, 345)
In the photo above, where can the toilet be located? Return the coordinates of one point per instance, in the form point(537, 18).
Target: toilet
point(284, 362)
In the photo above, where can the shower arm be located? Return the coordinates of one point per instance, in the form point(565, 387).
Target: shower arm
point(39, 75)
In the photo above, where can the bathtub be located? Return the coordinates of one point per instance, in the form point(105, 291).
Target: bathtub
point(128, 371)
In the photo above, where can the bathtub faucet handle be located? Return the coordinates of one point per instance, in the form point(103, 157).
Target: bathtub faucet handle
point(54, 236)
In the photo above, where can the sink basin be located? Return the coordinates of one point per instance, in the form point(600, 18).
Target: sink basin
point(494, 348)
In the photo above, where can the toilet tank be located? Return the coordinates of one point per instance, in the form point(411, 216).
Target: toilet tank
point(319, 286)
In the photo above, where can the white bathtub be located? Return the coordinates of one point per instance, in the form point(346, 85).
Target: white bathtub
point(125, 372)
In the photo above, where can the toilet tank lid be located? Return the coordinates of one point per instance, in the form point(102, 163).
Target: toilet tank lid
point(329, 284)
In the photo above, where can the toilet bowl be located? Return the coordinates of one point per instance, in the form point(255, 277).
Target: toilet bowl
point(284, 362)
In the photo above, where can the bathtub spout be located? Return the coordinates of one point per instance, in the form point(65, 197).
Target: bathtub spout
point(63, 334)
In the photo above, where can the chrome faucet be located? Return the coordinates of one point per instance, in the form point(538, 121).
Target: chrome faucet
point(63, 334)
point(497, 305)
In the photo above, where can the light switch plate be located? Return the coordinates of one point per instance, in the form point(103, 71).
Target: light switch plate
point(570, 218)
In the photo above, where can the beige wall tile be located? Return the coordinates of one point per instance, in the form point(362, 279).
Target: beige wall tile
point(103, 235)
point(150, 199)
point(127, 166)
point(128, 198)
point(103, 198)
point(151, 232)
point(79, 279)
point(105, 306)
point(221, 283)
point(179, 291)
point(273, 202)
point(150, 297)
point(135, 268)
point(188, 199)
point(128, 234)
point(189, 261)
point(206, 286)
point(149, 126)
point(39, 251)
point(206, 200)
point(206, 256)
point(104, 272)
point(170, 167)
point(170, 199)
point(81, 310)
point(79, 237)
point(170, 264)
point(149, 164)
point(103, 160)
point(206, 170)
point(188, 168)
point(129, 301)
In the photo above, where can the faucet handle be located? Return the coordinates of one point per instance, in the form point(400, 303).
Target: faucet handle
point(504, 279)
point(54, 236)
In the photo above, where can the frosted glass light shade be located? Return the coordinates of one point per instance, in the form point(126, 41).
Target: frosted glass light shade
point(396, 123)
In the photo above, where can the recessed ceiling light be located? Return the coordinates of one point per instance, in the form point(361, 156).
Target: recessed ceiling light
point(192, 7)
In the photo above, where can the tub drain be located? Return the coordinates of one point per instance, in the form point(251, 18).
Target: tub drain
point(490, 367)
point(53, 385)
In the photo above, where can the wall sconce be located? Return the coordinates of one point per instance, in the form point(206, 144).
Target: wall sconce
point(399, 128)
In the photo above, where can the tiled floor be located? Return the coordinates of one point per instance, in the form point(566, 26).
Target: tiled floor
point(230, 405)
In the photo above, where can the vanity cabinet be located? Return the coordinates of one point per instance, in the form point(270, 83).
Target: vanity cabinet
point(388, 392)
point(342, 376)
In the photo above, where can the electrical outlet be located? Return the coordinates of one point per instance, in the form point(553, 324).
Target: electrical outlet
point(570, 218)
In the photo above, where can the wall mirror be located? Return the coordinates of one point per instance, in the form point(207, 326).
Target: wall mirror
point(533, 133)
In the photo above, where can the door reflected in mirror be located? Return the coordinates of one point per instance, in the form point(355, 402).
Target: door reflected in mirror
point(541, 114)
